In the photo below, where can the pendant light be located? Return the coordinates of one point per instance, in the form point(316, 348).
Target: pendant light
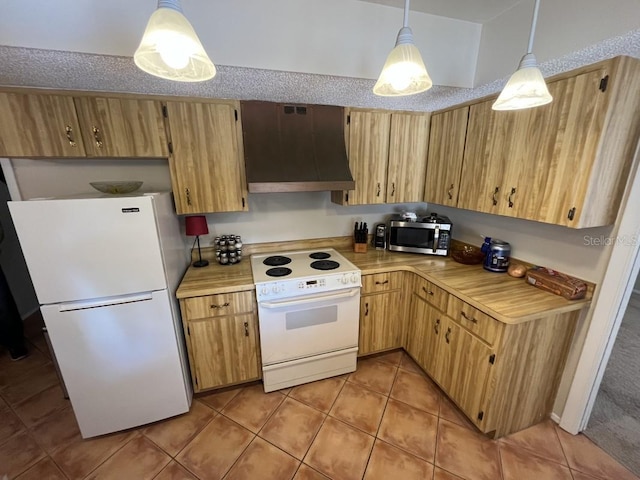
point(170, 47)
point(526, 88)
point(404, 72)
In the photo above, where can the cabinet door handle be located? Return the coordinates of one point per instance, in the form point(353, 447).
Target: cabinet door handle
point(382, 283)
point(436, 327)
point(226, 304)
point(246, 329)
point(378, 190)
point(450, 192)
point(513, 192)
point(467, 317)
point(96, 136)
point(495, 192)
point(393, 188)
point(448, 335)
point(572, 213)
point(424, 289)
point(366, 309)
point(69, 131)
point(188, 194)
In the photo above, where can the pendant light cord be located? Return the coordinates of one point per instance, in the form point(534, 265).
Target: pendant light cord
point(406, 13)
point(533, 25)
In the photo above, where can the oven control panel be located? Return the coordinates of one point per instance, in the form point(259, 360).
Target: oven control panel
point(306, 286)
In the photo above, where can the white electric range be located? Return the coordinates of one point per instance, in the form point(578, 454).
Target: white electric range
point(308, 312)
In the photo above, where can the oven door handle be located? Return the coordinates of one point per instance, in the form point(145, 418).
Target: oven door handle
point(310, 299)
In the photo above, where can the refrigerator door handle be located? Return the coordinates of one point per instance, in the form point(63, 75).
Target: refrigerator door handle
point(105, 302)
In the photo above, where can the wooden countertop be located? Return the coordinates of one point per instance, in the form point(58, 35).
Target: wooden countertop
point(508, 299)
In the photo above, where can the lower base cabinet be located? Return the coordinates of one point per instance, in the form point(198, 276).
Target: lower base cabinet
point(381, 322)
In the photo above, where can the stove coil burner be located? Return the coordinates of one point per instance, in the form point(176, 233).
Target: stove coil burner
point(319, 255)
point(278, 271)
point(324, 265)
point(276, 261)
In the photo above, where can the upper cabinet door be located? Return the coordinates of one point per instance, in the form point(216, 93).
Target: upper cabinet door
point(407, 157)
point(33, 125)
point(122, 127)
point(368, 150)
point(207, 164)
point(446, 151)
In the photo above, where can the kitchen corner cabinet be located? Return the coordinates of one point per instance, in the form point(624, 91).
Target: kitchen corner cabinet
point(381, 313)
point(207, 160)
point(47, 125)
point(565, 163)
point(446, 152)
point(387, 156)
point(222, 339)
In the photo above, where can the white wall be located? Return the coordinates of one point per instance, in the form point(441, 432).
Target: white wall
point(563, 27)
point(332, 37)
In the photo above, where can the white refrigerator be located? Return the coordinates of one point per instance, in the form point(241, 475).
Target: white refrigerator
point(105, 269)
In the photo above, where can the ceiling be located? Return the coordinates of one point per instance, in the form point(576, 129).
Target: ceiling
point(479, 11)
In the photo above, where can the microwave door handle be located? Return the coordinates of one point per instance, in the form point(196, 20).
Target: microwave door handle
point(436, 237)
point(310, 299)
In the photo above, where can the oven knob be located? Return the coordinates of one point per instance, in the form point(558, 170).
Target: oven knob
point(275, 289)
point(354, 278)
point(265, 290)
point(345, 279)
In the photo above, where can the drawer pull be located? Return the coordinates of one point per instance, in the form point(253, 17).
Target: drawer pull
point(447, 335)
point(226, 304)
point(246, 329)
point(466, 317)
point(436, 327)
point(424, 289)
point(382, 283)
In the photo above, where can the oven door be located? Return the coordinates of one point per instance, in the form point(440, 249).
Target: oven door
point(303, 326)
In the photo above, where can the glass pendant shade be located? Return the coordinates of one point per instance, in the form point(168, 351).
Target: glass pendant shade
point(525, 89)
point(171, 49)
point(404, 72)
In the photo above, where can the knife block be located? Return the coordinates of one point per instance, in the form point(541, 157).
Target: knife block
point(360, 247)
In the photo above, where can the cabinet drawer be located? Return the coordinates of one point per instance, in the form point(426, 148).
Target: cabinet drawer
point(381, 282)
point(217, 305)
point(433, 294)
point(484, 326)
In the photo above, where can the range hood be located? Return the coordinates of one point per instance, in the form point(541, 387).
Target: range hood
point(294, 148)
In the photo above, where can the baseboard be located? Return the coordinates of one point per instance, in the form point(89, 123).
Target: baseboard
point(555, 417)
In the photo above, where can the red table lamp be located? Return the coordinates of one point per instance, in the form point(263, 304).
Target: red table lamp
point(197, 225)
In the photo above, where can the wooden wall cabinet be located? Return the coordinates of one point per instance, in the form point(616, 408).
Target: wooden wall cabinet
point(207, 161)
point(222, 339)
point(381, 317)
point(387, 156)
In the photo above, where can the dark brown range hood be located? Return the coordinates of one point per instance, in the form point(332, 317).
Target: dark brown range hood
point(294, 148)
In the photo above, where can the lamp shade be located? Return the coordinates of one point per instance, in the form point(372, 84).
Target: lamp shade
point(525, 89)
point(404, 72)
point(171, 49)
point(196, 225)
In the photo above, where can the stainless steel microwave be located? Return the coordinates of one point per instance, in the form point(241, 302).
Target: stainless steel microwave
point(430, 235)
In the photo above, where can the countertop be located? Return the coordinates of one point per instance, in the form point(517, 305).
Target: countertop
point(508, 299)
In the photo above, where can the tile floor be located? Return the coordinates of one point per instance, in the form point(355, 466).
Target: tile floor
point(384, 421)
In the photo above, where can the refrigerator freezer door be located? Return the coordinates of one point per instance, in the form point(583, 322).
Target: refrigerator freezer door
point(120, 361)
point(83, 248)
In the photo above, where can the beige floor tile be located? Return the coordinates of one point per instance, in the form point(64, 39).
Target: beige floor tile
point(359, 407)
point(45, 469)
point(251, 408)
point(39, 379)
point(449, 411)
point(521, 464)
point(389, 462)
point(10, 424)
point(139, 459)
point(541, 439)
point(18, 454)
point(392, 358)
point(583, 476)
point(340, 451)
point(374, 375)
point(210, 455)
point(440, 474)
point(293, 427)
point(11, 372)
point(305, 472)
point(407, 363)
point(219, 400)
point(319, 395)
point(174, 471)
point(263, 461)
point(36, 408)
point(173, 434)
point(417, 391)
point(56, 431)
point(466, 453)
point(77, 459)
point(585, 456)
point(410, 429)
